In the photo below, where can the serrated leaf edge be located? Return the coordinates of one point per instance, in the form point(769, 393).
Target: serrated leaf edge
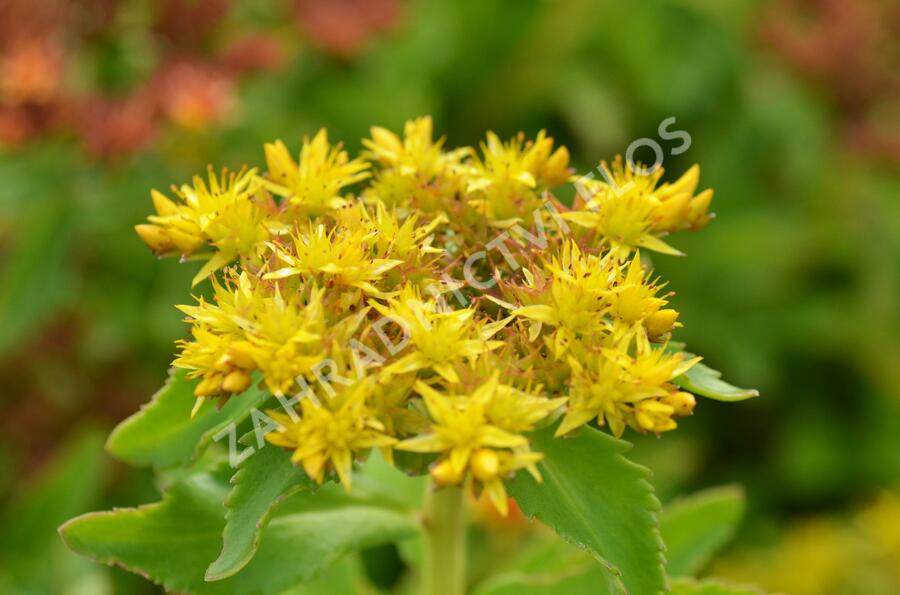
point(168, 586)
point(654, 507)
point(261, 524)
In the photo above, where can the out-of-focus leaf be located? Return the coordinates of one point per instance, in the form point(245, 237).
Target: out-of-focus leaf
point(343, 578)
point(380, 480)
point(551, 566)
point(171, 542)
point(65, 488)
point(35, 277)
point(670, 73)
point(706, 382)
point(599, 500)
point(686, 586)
point(694, 528)
point(163, 433)
point(32, 560)
point(588, 582)
point(595, 112)
point(261, 483)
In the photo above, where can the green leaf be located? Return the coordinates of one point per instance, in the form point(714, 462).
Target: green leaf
point(548, 566)
point(66, 487)
point(694, 528)
point(261, 483)
point(687, 586)
point(597, 499)
point(313, 534)
point(32, 559)
point(36, 256)
point(172, 542)
point(163, 433)
point(343, 578)
point(589, 581)
point(383, 482)
point(706, 382)
point(169, 542)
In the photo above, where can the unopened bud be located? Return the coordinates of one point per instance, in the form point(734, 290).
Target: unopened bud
point(241, 355)
point(699, 215)
point(673, 213)
point(184, 242)
point(556, 169)
point(209, 386)
point(155, 237)
point(660, 322)
point(485, 464)
point(444, 474)
point(162, 204)
point(687, 183)
point(682, 402)
point(236, 382)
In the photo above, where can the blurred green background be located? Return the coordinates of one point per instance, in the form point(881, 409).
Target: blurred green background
point(793, 107)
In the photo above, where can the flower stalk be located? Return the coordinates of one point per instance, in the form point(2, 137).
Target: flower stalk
point(444, 522)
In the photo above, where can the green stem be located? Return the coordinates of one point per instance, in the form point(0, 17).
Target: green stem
point(444, 566)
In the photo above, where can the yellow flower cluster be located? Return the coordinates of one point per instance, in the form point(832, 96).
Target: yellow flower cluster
point(224, 215)
point(628, 210)
point(432, 301)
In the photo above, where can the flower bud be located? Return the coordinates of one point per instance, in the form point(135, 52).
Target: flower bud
point(699, 215)
point(242, 356)
point(155, 237)
point(556, 169)
point(387, 143)
point(660, 322)
point(210, 385)
point(236, 382)
point(673, 213)
point(654, 416)
point(278, 160)
point(485, 464)
point(682, 402)
point(444, 474)
point(162, 204)
point(687, 184)
point(184, 242)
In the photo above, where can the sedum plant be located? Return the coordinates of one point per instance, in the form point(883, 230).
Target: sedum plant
point(380, 341)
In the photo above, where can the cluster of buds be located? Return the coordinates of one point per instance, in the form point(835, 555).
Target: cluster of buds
point(432, 301)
